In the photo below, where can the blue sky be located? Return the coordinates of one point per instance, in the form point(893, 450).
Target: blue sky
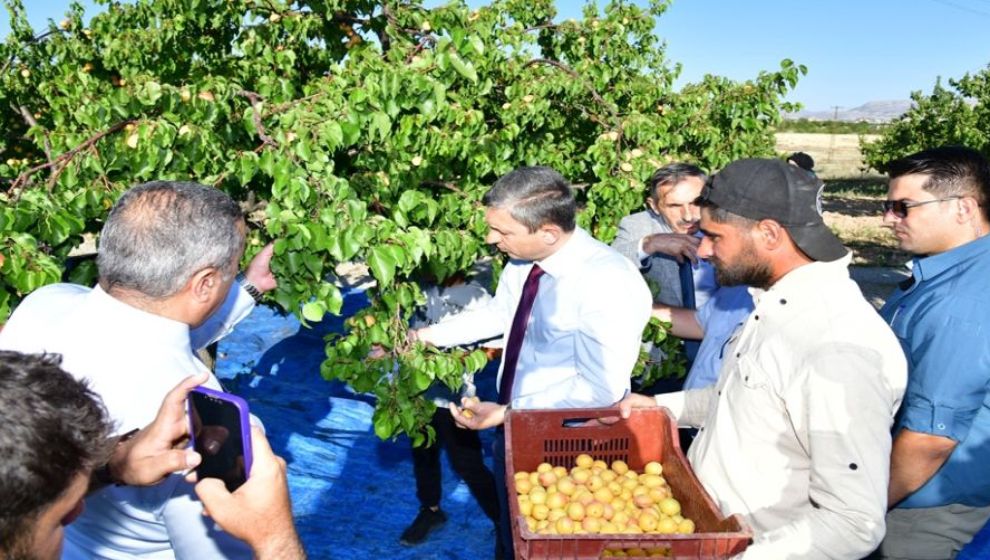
point(855, 51)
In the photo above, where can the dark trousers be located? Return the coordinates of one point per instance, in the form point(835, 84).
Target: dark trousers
point(464, 449)
point(503, 528)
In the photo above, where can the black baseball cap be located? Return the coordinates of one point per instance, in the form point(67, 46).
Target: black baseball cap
point(761, 189)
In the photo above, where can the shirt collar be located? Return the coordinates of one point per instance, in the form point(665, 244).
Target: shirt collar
point(925, 268)
point(568, 256)
point(166, 331)
point(806, 280)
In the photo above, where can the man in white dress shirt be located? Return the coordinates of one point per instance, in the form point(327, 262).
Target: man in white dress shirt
point(579, 338)
point(795, 435)
point(168, 256)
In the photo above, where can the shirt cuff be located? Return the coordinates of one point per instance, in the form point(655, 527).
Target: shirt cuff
point(673, 401)
point(689, 407)
point(642, 256)
point(937, 420)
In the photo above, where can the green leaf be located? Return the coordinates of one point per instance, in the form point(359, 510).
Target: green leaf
point(333, 135)
point(464, 68)
point(423, 380)
point(150, 93)
point(382, 124)
point(384, 424)
point(382, 264)
point(479, 46)
point(314, 311)
point(335, 300)
point(409, 200)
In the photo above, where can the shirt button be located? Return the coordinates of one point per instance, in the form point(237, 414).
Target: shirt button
point(783, 301)
point(853, 466)
point(940, 426)
point(757, 317)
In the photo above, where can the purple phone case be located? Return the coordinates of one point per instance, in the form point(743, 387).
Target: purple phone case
point(242, 409)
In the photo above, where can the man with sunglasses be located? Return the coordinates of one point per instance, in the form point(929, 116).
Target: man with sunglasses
point(939, 483)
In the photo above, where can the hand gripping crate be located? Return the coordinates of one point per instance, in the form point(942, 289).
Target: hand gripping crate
point(650, 434)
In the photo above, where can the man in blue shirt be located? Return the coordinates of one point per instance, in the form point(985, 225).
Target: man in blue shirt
point(939, 477)
point(713, 323)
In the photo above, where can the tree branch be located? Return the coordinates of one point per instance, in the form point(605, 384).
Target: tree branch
point(34, 39)
point(62, 160)
point(570, 71)
point(255, 100)
point(424, 42)
point(442, 184)
point(31, 122)
point(550, 25)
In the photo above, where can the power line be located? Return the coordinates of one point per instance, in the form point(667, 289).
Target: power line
point(963, 8)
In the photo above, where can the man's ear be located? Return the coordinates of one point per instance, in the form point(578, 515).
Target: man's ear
point(770, 234)
point(204, 284)
point(652, 205)
point(968, 209)
point(550, 234)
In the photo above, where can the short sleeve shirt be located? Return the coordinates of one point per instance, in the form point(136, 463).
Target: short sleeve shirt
point(942, 321)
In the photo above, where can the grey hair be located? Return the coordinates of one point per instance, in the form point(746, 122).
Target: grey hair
point(670, 175)
point(161, 233)
point(534, 196)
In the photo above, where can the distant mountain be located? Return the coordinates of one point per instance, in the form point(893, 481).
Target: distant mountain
point(874, 112)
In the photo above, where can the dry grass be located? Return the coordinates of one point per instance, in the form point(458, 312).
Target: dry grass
point(836, 155)
point(852, 195)
point(852, 210)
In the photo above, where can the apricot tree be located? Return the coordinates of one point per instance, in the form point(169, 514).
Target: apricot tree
point(351, 131)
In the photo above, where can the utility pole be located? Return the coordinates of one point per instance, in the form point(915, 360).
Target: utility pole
point(831, 142)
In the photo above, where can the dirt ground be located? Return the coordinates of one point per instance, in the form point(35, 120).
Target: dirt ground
point(835, 155)
point(857, 221)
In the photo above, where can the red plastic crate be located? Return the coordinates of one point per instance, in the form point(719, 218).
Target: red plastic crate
point(650, 434)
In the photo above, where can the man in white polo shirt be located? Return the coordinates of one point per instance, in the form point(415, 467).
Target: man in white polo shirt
point(168, 256)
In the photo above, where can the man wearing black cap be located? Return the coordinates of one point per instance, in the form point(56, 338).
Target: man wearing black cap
point(795, 436)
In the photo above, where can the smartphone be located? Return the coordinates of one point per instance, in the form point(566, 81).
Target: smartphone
point(221, 434)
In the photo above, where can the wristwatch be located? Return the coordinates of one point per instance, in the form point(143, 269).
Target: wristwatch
point(249, 287)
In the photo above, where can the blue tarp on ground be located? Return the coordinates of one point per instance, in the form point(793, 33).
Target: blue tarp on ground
point(352, 493)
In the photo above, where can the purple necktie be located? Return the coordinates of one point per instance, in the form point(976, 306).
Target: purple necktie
point(517, 333)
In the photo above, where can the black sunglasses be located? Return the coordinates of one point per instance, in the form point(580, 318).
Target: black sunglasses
point(900, 208)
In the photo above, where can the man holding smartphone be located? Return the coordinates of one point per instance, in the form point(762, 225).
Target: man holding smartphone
point(168, 256)
point(54, 434)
